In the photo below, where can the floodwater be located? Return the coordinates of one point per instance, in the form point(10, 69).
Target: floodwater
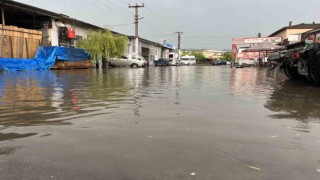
point(171, 123)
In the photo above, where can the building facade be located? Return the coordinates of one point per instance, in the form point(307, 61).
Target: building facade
point(213, 54)
point(50, 28)
point(292, 33)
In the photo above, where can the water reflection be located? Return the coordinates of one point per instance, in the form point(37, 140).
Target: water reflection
point(8, 150)
point(42, 97)
point(56, 97)
point(297, 101)
point(11, 136)
point(253, 82)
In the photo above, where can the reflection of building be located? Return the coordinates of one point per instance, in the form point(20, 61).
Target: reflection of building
point(250, 81)
point(213, 54)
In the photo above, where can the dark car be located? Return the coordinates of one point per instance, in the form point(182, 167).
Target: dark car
point(219, 62)
point(161, 62)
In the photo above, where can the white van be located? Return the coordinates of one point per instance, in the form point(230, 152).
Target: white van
point(188, 60)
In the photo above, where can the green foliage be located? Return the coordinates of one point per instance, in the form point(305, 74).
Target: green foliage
point(227, 56)
point(103, 44)
point(185, 53)
point(199, 56)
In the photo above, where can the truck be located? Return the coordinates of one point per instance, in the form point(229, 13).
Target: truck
point(174, 59)
point(301, 61)
point(131, 60)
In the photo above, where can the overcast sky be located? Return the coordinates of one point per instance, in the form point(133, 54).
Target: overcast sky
point(207, 24)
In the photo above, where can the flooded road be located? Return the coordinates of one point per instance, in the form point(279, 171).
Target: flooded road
point(198, 122)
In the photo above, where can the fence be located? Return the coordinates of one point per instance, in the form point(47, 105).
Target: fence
point(18, 42)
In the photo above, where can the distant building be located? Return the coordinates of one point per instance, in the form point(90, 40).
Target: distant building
point(213, 54)
point(292, 33)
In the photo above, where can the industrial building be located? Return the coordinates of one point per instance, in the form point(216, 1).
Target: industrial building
point(24, 28)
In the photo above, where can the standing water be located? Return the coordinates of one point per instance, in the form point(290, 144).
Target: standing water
point(197, 122)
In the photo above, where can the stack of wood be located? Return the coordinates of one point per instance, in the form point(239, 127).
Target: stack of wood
point(18, 42)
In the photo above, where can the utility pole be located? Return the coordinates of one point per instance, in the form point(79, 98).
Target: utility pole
point(179, 41)
point(136, 22)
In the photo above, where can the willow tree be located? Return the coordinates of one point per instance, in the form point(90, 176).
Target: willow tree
point(103, 44)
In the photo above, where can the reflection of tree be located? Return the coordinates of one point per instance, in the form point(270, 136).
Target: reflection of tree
point(295, 101)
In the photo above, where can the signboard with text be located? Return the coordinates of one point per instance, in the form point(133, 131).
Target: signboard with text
point(262, 39)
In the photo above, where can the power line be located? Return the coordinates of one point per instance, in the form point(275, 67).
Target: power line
point(157, 19)
point(100, 8)
point(120, 25)
point(118, 8)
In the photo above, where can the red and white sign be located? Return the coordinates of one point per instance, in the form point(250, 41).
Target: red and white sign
point(237, 41)
point(262, 39)
point(250, 55)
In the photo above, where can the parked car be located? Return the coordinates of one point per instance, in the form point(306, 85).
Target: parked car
point(219, 62)
point(131, 60)
point(161, 62)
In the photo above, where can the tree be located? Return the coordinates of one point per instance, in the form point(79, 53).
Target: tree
point(185, 53)
point(103, 44)
point(227, 56)
point(199, 56)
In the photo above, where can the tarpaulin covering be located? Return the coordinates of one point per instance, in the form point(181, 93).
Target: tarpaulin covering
point(72, 54)
point(44, 59)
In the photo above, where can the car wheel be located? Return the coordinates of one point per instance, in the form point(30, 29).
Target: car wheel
point(134, 66)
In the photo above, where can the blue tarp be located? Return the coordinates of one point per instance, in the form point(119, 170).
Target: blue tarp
point(45, 58)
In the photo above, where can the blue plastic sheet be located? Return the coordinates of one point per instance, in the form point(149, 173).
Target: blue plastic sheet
point(45, 58)
point(72, 54)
